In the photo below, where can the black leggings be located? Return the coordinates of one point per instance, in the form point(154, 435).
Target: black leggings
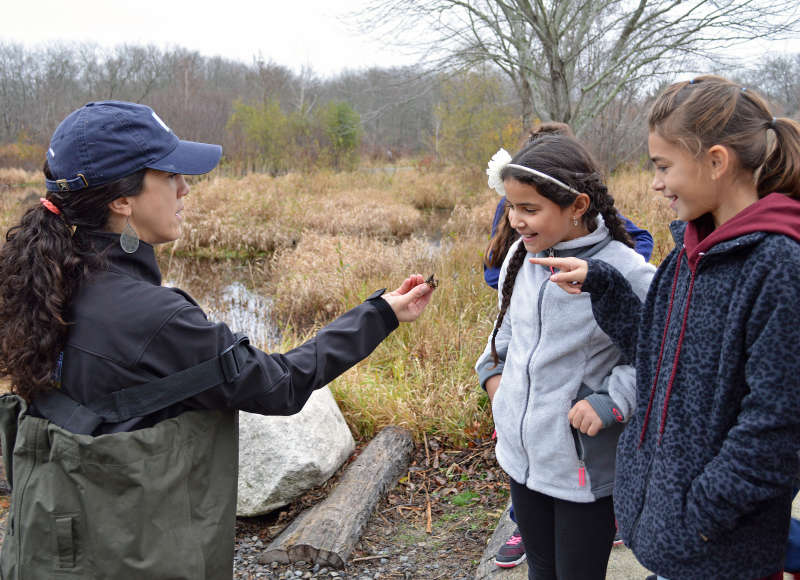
point(564, 540)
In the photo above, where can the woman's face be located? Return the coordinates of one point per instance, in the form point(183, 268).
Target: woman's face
point(155, 212)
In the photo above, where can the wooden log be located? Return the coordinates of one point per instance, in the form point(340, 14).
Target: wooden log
point(327, 533)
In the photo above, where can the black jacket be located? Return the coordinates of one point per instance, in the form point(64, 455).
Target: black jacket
point(127, 329)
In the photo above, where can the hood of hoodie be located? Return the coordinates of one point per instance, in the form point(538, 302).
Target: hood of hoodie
point(775, 213)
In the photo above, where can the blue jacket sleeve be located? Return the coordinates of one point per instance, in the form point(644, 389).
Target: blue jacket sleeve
point(642, 240)
point(492, 274)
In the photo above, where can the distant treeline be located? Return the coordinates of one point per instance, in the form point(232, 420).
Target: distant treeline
point(269, 118)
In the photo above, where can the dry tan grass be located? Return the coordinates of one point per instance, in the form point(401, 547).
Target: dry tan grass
point(422, 375)
point(14, 176)
point(320, 243)
point(18, 191)
point(636, 200)
point(316, 280)
point(441, 189)
point(366, 211)
point(472, 220)
point(238, 217)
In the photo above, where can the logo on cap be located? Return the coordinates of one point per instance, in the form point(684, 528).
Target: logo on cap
point(160, 122)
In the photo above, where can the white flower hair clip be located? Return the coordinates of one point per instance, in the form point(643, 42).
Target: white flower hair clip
point(502, 159)
point(496, 164)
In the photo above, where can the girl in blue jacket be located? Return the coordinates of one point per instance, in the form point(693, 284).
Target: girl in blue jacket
point(709, 459)
point(564, 390)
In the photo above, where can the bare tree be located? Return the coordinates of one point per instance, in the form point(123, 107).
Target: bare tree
point(778, 77)
point(569, 59)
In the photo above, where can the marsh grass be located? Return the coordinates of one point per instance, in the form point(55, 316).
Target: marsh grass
point(320, 243)
point(637, 201)
point(421, 377)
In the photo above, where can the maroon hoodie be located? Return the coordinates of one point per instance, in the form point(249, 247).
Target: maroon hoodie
point(776, 213)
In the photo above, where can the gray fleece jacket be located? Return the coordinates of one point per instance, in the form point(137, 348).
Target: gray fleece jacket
point(553, 354)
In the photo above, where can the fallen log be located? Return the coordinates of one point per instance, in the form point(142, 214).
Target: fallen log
point(327, 533)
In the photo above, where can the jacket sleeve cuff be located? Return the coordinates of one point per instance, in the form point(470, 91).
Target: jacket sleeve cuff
point(606, 409)
point(386, 312)
point(487, 369)
point(597, 277)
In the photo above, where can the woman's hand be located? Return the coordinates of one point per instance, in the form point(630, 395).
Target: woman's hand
point(571, 275)
point(585, 419)
point(410, 299)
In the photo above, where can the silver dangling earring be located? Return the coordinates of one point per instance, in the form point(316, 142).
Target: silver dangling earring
point(574, 221)
point(129, 239)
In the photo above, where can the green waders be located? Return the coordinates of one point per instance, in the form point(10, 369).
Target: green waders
point(156, 503)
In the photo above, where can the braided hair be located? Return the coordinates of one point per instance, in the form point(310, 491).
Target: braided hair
point(505, 235)
point(564, 158)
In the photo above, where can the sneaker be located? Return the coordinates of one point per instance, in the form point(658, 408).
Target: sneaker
point(512, 553)
point(618, 540)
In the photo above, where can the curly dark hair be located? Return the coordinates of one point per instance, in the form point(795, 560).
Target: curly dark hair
point(42, 263)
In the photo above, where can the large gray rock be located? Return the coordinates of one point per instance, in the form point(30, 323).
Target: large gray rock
point(280, 458)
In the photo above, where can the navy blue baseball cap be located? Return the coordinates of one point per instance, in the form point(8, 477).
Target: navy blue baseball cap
point(106, 140)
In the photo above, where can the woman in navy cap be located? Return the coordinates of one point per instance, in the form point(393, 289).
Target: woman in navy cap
point(122, 422)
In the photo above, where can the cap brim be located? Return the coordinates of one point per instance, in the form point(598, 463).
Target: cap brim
point(189, 158)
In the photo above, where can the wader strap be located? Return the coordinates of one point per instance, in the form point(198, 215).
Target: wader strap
point(141, 400)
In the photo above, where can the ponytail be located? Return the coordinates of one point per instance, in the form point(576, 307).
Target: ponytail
point(42, 263)
point(514, 264)
point(39, 271)
point(781, 170)
point(710, 110)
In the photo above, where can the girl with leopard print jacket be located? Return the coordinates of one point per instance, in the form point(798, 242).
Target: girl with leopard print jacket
point(707, 464)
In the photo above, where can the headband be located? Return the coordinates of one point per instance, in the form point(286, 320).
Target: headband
point(502, 159)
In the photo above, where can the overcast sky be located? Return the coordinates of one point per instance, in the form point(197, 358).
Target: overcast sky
point(292, 33)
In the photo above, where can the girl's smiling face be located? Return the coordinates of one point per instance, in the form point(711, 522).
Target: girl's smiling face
point(540, 222)
point(683, 179)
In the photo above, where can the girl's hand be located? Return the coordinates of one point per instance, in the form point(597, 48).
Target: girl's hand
point(584, 418)
point(410, 299)
point(492, 384)
point(571, 275)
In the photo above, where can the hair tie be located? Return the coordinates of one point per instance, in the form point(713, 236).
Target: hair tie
point(773, 123)
point(50, 206)
point(691, 82)
point(744, 89)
